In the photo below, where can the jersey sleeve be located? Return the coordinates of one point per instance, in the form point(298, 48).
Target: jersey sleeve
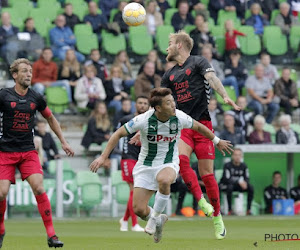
point(185, 120)
point(42, 107)
point(1, 99)
point(165, 82)
point(204, 66)
point(135, 124)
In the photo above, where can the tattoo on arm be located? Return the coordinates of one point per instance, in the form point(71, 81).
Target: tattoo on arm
point(216, 84)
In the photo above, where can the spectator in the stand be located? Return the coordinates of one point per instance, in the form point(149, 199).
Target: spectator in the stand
point(45, 74)
point(236, 68)
point(270, 70)
point(286, 135)
point(115, 89)
point(295, 192)
point(97, 21)
point(182, 17)
point(259, 136)
point(256, 19)
point(260, 93)
point(274, 191)
point(119, 19)
point(70, 70)
point(242, 117)
point(98, 128)
point(153, 18)
point(228, 81)
point(286, 89)
point(201, 36)
point(285, 20)
point(163, 6)
point(49, 144)
point(125, 110)
point(62, 39)
point(214, 7)
point(169, 65)
point(231, 132)
point(241, 6)
point(106, 6)
point(231, 34)
point(71, 18)
point(267, 7)
point(216, 115)
point(89, 89)
point(122, 60)
point(95, 59)
point(147, 80)
point(34, 47)
point(153, 57)
point(199, 8)
point(236, 178)
point(9, 49)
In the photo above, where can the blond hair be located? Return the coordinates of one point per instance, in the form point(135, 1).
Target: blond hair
point(102, 121)
point(68, 66)
point(182, 37)
point(14, 67)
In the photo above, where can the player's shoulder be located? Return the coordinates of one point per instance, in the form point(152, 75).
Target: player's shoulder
point(180, 114)
point(7, 92)
point(35, 94)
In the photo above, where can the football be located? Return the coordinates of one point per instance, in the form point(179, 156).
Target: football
point(134, 14)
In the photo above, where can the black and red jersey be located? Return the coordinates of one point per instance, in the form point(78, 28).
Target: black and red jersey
point(17, 115)
point(190, 89)
point(129, 151)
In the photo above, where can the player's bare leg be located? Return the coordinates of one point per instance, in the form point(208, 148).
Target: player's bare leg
point(4, 188)
point(206, 172)
point(190, 178)
point(44, 207)
point(141, 197)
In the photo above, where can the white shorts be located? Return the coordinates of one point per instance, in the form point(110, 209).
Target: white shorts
point(145, 176)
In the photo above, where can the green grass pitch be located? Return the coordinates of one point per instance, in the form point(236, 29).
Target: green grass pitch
point(179, 233)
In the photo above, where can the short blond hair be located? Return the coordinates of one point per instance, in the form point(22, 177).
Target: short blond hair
point(182, 37)
point(14, 67)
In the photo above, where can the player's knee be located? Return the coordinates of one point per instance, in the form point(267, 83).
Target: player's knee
point(139, 210)
point(38, 190)
point(3, 194)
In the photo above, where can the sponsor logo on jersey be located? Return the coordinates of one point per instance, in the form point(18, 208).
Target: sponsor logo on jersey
point(32, 106)
point(171, 77)
point(188, 72)
point(209, 69)
point(130, 123)
point(160, 138)
point(13, 104)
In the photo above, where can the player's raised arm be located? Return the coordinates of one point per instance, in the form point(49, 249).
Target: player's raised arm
point(53, 123)
point(222, 145)
point(112, 143)
point(217, 85)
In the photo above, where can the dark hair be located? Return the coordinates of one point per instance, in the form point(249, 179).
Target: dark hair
point(264, 54)
point(276, 172)
point(125, 99)
point(92, 50)
point(157, 94)
point(27, 19)
point(235, 52)
point(46, 48)
point(141, 97)
point(67, 4)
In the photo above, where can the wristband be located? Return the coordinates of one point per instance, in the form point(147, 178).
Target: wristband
point(216, 140)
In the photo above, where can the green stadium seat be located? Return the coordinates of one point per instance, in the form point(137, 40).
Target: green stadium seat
point(269, 128)
point(295, 38)
point(172, 3)
point(80, 9)
point(139, 40)
point(23, 8)
point(46, 2)
point(205, 2)
point(85, 43)
point(113, 12)
point(295, 127)
point(121, 193)
point(274, 41)
point(224, 15)
point(12, 3)
point(250, 45)
point(82, 29)
point(273, 16)
point(57, 99)
point(211, 23)
point(169, 14)
point(42, 26)
point(189, 28)
point(15, 16)
point(91, 189)
point(162, 37)
point(112, 44)
point(48, 14)
point(231, 93)
point(218, 31)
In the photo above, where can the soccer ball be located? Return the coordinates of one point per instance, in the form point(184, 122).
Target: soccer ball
point(134, 14)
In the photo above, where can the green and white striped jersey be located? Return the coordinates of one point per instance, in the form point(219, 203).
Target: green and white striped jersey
point(159, 139)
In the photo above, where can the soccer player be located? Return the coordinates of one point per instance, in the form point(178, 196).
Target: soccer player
point(157, 165)
point(190, 81)
point(129, 159)
point(18, 106)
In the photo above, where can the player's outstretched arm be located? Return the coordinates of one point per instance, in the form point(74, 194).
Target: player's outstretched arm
point(112, 143)
point(222, 145)
point(217, 85)
point(53, 123)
